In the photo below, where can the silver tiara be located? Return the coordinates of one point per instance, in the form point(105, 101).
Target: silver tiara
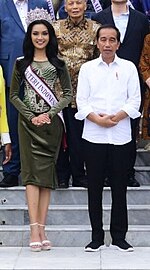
point(38, 14)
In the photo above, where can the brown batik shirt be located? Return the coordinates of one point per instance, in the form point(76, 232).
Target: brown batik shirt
point(77, 45)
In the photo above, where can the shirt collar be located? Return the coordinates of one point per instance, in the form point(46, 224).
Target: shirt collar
point(83, 24)
point(127, 12)
point(116, 60)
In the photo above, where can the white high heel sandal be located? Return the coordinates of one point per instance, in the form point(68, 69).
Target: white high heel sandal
point(35, 246)
point(46, 244)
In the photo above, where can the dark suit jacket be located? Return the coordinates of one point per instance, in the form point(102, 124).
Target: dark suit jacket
point(12, 34)
point(137, 29)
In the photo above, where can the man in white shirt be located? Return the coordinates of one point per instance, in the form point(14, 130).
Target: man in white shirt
point(108, 95)
point(133, 26)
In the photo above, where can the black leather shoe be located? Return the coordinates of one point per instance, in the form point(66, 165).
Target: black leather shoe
point(63, 185)
point(132, 182)
point(106, 182)
point(82, 183)
point(9, 181)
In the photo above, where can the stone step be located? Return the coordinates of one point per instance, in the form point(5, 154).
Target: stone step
point(71, 215)
point(70, 236)
point(142, 157)
point(142, 174)
point(73, 196)
point(142, 168)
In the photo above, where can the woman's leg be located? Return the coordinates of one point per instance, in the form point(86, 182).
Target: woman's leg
point(44, 200)
point(32, 195)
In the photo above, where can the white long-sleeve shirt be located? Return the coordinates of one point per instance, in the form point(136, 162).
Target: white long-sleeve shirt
point(5, 138)
point(22, 8)
point(107, 89)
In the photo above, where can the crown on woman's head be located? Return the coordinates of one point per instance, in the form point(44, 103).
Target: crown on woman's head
point(38, 14)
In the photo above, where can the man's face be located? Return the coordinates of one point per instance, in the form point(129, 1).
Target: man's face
point(108, 44)
point(75, 8)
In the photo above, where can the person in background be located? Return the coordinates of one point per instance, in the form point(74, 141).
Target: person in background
point(77, 43)
point(92, 7)
point(107, 133)
point(12, 31)
point(40, 119)
point(133, 26)
point(4, 130)
point(89, 10)
point(144, 67)
point(143, 6)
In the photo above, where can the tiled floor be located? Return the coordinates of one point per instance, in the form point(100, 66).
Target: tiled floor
point(18, 258)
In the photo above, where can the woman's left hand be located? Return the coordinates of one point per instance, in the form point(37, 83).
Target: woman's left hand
point(41, 119)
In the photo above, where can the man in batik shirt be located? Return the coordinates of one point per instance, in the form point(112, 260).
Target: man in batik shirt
point(77, 44)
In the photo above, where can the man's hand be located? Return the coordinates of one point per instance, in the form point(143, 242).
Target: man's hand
point(103, 120)
point(119, 116)
point(107, 120)
point(8, 153)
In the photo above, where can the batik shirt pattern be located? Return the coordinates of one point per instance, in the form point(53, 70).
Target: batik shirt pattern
point(77, 44)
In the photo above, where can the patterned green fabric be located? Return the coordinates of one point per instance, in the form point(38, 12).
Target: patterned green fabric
point(31, 102)
point(39, 146)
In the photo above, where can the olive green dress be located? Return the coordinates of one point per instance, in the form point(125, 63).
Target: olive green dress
point(39, 146)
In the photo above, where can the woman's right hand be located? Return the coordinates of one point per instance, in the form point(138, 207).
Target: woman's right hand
point(41, 119)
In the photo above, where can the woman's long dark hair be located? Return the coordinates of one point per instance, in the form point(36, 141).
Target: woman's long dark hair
point(28, 48)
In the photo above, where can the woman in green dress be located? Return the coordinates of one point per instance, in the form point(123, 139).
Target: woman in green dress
point(40, 119)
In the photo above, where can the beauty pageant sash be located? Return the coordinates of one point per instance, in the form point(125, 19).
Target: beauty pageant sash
point(42, 89)
point(51, 9)
point(130, 4)
point(96, 5)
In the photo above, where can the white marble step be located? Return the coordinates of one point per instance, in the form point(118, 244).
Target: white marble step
point(74, 258)
point(71, 215)
point(70, 236)
point(142, 174)
point(73, 196)
point(142, 157)
point(142, 168)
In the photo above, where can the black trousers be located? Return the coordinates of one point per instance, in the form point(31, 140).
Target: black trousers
point(133, 146)
point(72, 160)
point(99, 158)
